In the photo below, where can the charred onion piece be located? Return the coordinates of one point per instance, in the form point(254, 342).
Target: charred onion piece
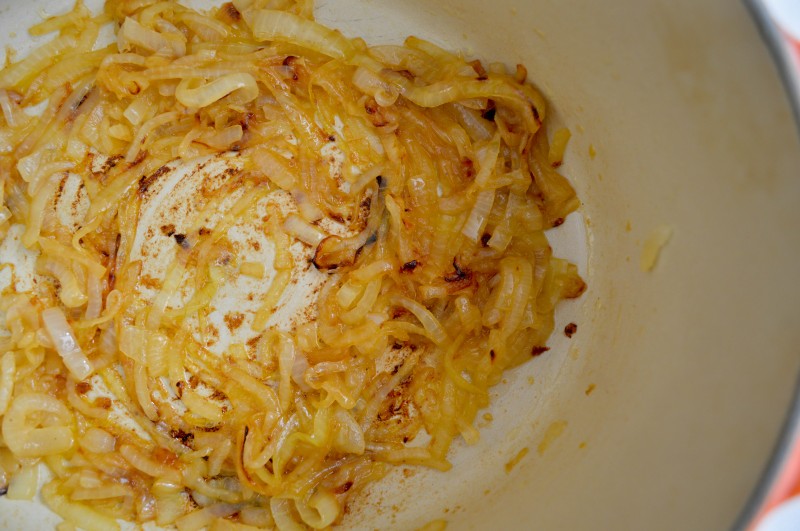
point(334, 252)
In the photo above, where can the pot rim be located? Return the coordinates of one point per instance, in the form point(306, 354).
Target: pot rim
point(764, 492)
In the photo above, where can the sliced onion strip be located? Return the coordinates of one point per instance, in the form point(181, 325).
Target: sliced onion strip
point(66, 343)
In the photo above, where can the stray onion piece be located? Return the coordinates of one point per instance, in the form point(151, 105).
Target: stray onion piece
point(398, 196)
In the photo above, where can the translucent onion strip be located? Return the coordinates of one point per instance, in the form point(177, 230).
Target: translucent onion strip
point(242, 88)
point(304, 231)
point(426, 318)
point(20, 430)
point(8, 108)
point(132, 33)
point(281, 512)
point(473, 227)
point(147, 128)
point(269, 25)
point(23, 484)
point(98, 441)
point(66, 343)
point(8, 367)
point(77, 514)
point(201, 518)
point(17, 73)
point(321, 510)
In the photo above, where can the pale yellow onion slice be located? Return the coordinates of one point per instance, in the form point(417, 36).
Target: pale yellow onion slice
point(26, 440)
point(24, 483)
point(76, 513)
point(35, 61)
point(321, 510)
point(304, 231)
point(473, 227)
point(201, 518)
point(241, 86)
point(8, 367)
point(132, 33)
point(98, 441)
point(282, 514)
point(426, 318)
point(270, 25)
point(66, 344)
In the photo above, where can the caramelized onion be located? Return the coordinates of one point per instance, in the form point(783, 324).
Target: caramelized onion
point(242, 88)
point(288, 255)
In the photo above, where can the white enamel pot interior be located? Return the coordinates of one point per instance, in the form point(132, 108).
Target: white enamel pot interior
point(664, 408)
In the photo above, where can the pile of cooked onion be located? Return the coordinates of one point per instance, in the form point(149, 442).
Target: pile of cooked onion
point(441, 171)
